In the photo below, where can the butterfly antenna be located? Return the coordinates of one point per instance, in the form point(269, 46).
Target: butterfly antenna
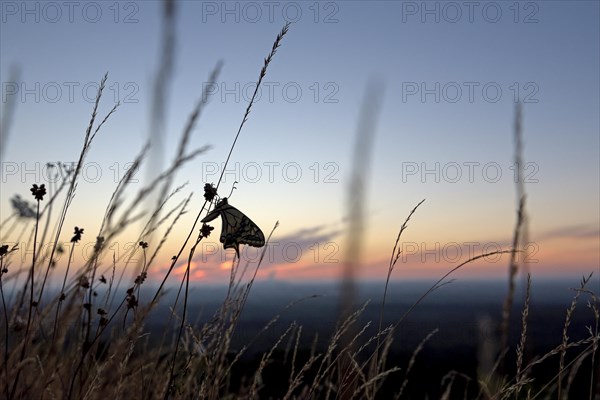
point(232, 188)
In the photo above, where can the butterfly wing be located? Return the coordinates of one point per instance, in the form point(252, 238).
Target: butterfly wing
point(236, 228)
point(239, 229)
point(212, 215)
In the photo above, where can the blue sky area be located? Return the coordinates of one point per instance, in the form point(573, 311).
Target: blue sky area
point(451, 73)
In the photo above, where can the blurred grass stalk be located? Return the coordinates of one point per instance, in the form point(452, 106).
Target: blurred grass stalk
point(357, 193)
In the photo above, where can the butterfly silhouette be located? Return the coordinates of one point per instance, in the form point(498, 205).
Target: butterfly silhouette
point(236, 227)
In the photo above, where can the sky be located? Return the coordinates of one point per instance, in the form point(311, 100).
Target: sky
point(450, 76)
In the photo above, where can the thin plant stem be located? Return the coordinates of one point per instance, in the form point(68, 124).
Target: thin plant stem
point(565, 337)
point(32, 272)
point(518, 233)
point(263, 72)
point(521, 347)
point(6, 330)
point(62, 291)
point(393, 259)
point(89, 137)
point(180, 332)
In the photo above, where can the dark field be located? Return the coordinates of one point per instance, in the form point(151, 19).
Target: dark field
point(466, 314)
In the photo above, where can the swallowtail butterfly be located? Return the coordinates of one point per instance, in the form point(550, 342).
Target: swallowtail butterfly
point(236, 227)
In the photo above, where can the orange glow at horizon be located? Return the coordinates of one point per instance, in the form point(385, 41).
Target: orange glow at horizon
point(296, 257)
point(548, 258)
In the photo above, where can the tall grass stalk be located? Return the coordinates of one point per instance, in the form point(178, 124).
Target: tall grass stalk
point(521, 346)
point(62, 289)
point(3, 252)
point(565, 336)
point(262, 74)
point(517, 234)
point(25, 343)
point(89, 137)
point(595, 369)
point(396, 252)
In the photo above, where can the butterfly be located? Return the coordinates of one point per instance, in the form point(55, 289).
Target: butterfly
point(236, 227)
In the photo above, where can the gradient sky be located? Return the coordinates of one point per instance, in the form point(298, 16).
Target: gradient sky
point(471, 62)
